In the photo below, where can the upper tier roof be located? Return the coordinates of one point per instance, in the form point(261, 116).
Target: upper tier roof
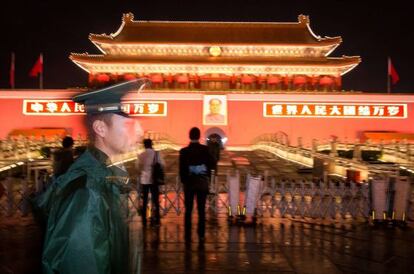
point(105, 59)
point(297, 33)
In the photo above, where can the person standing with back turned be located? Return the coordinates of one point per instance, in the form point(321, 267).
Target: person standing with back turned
point(63, 158)
point(195, 166)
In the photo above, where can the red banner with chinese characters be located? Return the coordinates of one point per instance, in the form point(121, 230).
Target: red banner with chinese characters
point(67, 107)
point(335, 110)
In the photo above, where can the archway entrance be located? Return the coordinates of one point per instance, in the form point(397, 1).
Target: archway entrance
point(215, 134)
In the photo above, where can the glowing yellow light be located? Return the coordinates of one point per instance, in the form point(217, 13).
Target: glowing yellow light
point(214, 51)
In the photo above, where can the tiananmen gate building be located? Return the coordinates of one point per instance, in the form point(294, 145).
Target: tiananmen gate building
point(239, 80)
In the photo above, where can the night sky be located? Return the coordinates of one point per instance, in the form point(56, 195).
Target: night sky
point(370, 29)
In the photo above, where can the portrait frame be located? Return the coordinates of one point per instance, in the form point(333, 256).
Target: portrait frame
point(215, 110)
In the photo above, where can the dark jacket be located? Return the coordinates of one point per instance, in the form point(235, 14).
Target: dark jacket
point(192, 157)
point(86, 226)
point(214, 149)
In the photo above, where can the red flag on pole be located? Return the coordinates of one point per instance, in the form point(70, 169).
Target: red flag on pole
point(12, 61)
point(38, 67)
point(392, 72)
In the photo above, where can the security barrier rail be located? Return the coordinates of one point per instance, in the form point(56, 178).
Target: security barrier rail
point(275, 197)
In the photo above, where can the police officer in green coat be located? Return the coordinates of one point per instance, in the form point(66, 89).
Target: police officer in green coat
point(86, 230)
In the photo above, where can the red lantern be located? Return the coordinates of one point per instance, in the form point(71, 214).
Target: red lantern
point(273, 80)
point(326, 81)
point(182, 79)
point(157, 79)
point(103, 78)
point(247, 79)
point(129, 77)
point(299, 80)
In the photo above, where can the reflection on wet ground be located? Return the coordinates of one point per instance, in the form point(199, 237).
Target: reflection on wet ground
point(272, 246)
point(20, 246)
point(275, 246)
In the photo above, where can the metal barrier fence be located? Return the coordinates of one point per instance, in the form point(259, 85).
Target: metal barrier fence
point(276, 198)
point(279, 199)
point(307, 199)
point(19, 184)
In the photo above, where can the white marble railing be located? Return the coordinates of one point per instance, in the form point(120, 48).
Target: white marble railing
point(337, 166)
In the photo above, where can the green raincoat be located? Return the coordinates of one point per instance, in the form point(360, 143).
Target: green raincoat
point(86, 229)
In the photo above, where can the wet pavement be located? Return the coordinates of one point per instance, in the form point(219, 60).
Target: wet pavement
point(273, 245)
point(278, 246)
point(20, 245)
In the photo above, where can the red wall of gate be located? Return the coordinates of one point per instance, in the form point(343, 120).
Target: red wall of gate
point(245, 119)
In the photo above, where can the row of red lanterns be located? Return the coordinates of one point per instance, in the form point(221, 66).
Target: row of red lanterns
point(246, 79)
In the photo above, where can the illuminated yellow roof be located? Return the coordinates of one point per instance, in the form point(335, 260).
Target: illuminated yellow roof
point(292, 33)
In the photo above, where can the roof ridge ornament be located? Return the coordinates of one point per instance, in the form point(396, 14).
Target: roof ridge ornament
point(102, 35)
point(127, 17)
point(303, 19)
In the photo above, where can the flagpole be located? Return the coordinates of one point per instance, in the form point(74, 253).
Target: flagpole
point(12, 71)
point(389, 76)
point(41, 72)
